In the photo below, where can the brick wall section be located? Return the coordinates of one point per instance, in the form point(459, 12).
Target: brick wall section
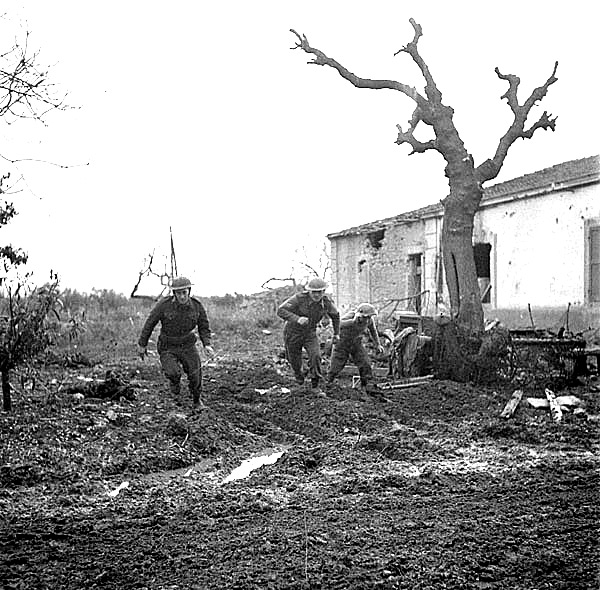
point(363, 273)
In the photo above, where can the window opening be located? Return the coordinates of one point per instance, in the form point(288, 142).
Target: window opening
point(594, 284)
point(481, 252)
point(376, 238)
point(415, 266)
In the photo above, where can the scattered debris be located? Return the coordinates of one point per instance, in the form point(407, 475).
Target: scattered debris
point(512, 404)
point(405, 383)
point(114, 387)
point(540, 354)
point(555, 409)
point(112, 415)
point(272, 389)
point(409, 353)
point(114, 493)
point(538, 402)
point(561, 400)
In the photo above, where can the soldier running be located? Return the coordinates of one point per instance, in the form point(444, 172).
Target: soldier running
point(352, 327)
point(179, 315)
point(302, 312)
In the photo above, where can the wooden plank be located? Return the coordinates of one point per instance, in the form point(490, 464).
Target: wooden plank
point(405, 383)
point(511, 405)
point(561, 400)
point(555, 408)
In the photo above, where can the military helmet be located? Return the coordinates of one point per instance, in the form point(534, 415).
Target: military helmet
point(366, 309)
point(316, 284)
point(180, 283)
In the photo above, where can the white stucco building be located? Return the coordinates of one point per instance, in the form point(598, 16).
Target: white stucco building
point(536, 240)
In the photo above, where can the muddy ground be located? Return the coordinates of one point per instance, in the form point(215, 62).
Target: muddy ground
point(429, 489)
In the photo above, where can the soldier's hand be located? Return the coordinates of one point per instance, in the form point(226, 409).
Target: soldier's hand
point(142, 351)
point(210, 350)
point(335, 339)
point(303, 320)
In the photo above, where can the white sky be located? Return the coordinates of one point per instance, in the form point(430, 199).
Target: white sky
point(197, 115)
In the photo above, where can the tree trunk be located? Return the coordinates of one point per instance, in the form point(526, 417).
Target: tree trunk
point(459, 260)
point(461, 338)
point(6, 403)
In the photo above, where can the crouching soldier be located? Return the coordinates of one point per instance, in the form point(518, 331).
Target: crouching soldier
point(179, 315)
point(302, 313)
point(353, 326)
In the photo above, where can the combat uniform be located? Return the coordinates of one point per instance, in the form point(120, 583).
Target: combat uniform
point(176, 341)
point(352, 329)
point(298, 336)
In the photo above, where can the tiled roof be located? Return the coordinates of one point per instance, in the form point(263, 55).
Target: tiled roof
point(575, 172)
point(578, 171)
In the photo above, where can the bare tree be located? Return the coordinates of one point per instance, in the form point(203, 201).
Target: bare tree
point(464, 177)
point(312, 262)
point(25, 88)
point(26, 92)
point(148, 271)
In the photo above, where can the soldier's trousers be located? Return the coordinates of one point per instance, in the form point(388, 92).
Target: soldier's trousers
point(295, 341)
point(355, 351)
point(175, 358)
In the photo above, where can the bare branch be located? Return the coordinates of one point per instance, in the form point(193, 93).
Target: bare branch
point(491, 167)
point(408, 136)
point(18, 160)
point(265, 285)
point(431, 90)
point(321, 59)
point(148, 271)
point(141, 275)
point(545, 122)
point(309, 268)
point(25, 92)
point(511, 94)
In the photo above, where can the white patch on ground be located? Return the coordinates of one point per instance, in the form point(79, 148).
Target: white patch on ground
point(249, 465)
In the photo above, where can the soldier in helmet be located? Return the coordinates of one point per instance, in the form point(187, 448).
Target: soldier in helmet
point(353, 326)
point(302, 312)
point(179, 315)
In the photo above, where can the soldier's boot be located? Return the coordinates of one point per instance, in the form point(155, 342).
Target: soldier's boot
point(175, 387)
point(371, 388)
point(197, 403)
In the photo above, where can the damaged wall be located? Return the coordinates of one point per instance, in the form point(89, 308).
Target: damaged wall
point(376, 266)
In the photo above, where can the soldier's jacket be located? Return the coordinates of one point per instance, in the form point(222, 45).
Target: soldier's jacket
point(177, 323)
point(352, 330)
point(301, 304)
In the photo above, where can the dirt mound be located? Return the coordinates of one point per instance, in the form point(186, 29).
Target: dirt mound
point(428, 488)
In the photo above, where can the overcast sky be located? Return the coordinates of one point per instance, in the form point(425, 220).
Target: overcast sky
point(198, 116)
